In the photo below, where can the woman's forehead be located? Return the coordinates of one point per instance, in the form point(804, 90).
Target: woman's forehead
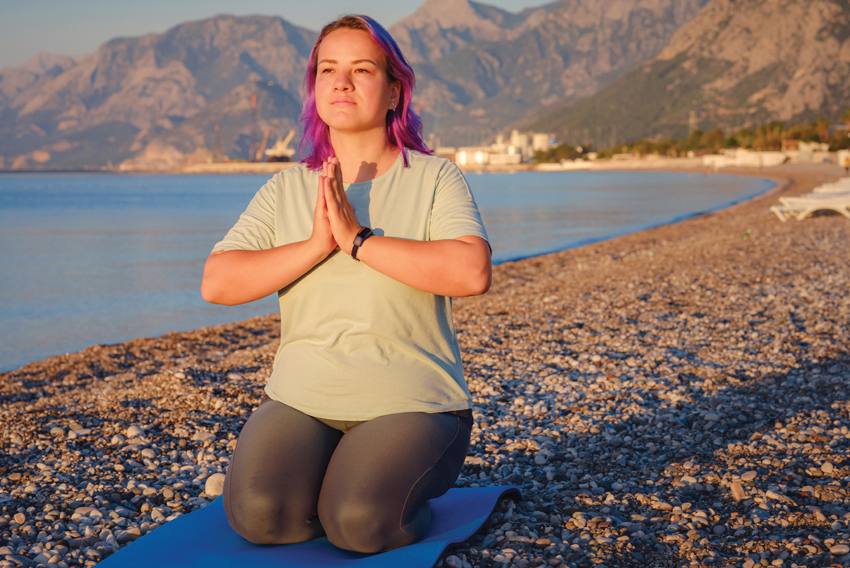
point(347, 45)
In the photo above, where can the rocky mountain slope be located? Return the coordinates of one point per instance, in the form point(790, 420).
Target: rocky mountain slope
point(440, 27)
point(108, 106)
point(479, 68)
point(495, 67)
point(739, 63)
point(652, 66)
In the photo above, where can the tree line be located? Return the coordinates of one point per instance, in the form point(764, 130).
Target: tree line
point(769, 136)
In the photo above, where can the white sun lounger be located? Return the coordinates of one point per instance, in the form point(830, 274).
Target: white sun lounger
point(802, 208)
point(827, 197)
point(841, 185)
point(840, 197)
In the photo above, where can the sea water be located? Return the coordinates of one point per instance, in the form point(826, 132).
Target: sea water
point(102, 258)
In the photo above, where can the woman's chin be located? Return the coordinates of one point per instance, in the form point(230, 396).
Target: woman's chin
point(351, 126)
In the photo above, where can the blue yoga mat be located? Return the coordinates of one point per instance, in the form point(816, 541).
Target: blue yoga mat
point(204, 539)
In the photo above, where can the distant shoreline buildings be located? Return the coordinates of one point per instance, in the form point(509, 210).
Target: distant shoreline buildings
point(517, 149)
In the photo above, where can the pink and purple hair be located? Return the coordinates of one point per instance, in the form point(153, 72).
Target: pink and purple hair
point(404, 127)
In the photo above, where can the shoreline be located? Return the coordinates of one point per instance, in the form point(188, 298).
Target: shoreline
point(667, 164)
point(683, 387)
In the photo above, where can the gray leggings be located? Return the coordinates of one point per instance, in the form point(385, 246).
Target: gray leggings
point(366, 485)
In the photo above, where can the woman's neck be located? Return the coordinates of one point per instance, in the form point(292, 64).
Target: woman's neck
point(363, 156)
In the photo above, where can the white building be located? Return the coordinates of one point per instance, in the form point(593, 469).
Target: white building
point(473, 155)
point(541, 142)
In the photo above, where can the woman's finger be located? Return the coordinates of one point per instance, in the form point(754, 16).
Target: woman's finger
point(333, 179)
point(322, 201)
point(338, 176)
point(330, 201)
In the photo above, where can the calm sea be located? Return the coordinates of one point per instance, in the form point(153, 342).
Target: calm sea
point(103, 258)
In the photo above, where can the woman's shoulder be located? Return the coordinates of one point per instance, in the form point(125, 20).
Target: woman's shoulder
point(292, 177)
point(420, 161)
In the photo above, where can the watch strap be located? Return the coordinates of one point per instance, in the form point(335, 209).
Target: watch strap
point(364, 234)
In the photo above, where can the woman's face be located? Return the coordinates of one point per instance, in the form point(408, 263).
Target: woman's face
point(353, 91)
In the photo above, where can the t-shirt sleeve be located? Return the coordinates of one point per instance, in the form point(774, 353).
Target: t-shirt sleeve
point(255, 228)
point(454, 212)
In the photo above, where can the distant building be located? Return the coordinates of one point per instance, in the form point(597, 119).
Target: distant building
point(522, 143)
point(486, 155)
point(541, 142)
point(811, 147)
point(473, 156)
point(518, 148)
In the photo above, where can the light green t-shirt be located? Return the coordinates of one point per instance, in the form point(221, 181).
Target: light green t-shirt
point(356, 344)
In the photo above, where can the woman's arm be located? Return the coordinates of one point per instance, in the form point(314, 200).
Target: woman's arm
point(241, 276)
point(458, 267)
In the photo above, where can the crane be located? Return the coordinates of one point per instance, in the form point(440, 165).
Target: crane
point(281, 152)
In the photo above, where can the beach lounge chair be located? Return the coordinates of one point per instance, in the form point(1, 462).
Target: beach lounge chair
point(840, 197)
point(802, 207)
point(842, 184)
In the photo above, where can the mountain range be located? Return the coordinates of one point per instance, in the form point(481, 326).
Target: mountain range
point(613, 69)
point(739, 63)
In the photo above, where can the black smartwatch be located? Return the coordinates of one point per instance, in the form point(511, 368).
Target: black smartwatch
point(364, 234)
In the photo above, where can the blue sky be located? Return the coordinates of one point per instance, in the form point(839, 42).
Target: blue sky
point(73, 27)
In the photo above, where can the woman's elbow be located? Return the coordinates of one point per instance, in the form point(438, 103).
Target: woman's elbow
point(479, 282)
point(209, 292)
point(483, 283)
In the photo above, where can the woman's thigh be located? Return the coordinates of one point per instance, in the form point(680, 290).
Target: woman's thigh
point(382, 474)
point(272, 486)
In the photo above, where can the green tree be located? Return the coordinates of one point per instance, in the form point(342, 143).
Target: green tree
point(845, 118)
point(769, 136)
point(712, 140)
point(822, 126)
point(557, 153)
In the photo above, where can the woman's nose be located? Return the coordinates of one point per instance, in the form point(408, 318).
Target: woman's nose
point(342, 83)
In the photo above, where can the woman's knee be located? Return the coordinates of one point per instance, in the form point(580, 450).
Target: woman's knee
point(362, 525)
point(264, 519)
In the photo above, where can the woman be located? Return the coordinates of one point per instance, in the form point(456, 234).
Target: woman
point(367, 415)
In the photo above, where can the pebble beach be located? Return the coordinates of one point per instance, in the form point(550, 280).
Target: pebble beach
point(674, 397)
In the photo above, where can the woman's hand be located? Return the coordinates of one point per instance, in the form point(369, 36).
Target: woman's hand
point(343, 221)
point(322, 237)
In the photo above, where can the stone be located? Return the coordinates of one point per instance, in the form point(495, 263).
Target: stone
point(214, 485)
point(131, 534)
point(749, 476)
point(20, 518)
point(839, 549)
point(134, 431)
point(202, 435)
point(454, 561)
point(738, 492)
point(827, 467)
point(712, 417)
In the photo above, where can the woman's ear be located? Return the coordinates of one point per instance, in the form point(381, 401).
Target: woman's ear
point(395, 94)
